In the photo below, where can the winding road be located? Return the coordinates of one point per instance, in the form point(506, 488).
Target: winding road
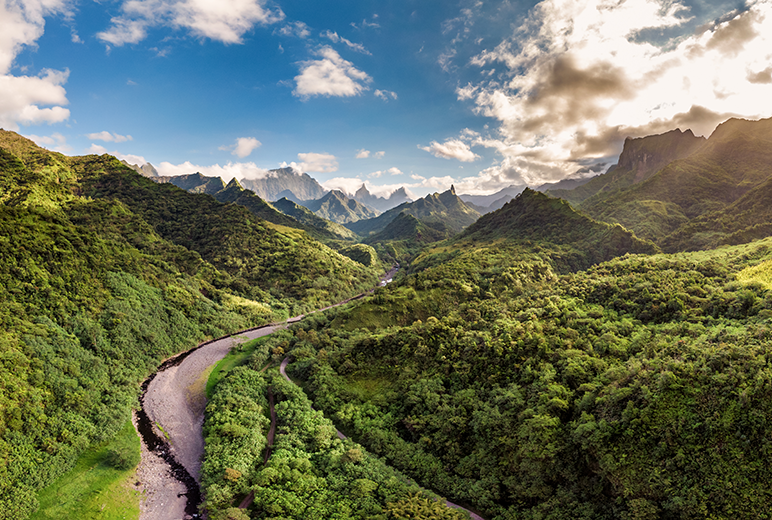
point(171, 421)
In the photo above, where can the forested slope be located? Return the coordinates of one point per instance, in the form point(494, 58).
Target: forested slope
point(636, 389)
point(97, 290)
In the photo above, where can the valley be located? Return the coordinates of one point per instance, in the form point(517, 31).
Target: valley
point(594, 348)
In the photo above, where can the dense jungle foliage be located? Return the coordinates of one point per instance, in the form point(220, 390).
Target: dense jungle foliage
point(310, 475)
point(639, 388)
point(97, 291)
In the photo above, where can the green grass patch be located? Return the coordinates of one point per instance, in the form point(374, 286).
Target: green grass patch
point(761, 273)
point(238, 355)
point(96, 488)
point(370, 388)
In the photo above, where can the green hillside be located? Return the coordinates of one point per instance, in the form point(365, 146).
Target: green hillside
point(261, 258)
point(445, 209)
point(536, 217)
point(635, 389)
point(309, 218)
point(106, 273)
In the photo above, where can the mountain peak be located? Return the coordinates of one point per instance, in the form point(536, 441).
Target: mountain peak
point(234, 184)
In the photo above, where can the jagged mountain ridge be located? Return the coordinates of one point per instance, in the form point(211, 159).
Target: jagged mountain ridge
point(641, 158)
point(734, 160)
point(337, 207)
point(272, 186)
point(382, 204)
point(192, 182)
point(305, 216)
point(446, 208)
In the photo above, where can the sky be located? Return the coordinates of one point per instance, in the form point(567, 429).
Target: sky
point(414, 93)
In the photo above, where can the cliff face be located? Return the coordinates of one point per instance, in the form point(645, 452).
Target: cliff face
point(644, 156)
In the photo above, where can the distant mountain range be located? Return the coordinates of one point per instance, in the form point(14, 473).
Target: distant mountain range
point(337, 207)
point(443, 208)
point(381, 204)
point(277, 182)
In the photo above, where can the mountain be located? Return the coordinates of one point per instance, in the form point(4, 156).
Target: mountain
point(276, 182)
point(748, 218)
point(235, 193)
point(406, 227)
point(536, 218)
point(105, 273)
point(484, 201)
point(337, 207)
point(146, 170)
point(396, 198)
point(308, 217)
point(442, 208)
point(640, 159)
point(733, 161)
point(193, 182)
point(564, 184)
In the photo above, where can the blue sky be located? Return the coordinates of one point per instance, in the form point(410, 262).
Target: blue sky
point(415, 93)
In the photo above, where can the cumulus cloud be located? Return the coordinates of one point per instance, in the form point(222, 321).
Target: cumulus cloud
point(108, 137)
point(328, 76)
point(227, 172)
point(333, 36)
point(21, 99)
point(451, 149)
point(222, 20)
point(362, 154)
point(55, 141)
point(579, 76)
point(243, 147)
point(379, 155)
point(314, 162)
point(29, 99)
point(385, 94)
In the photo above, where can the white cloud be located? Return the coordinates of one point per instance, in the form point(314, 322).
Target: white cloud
point(21, 97)
point(129, 158)
point(390, 171)
point(451, 149)
point(296, 29)
point(238, 170)
point(385, 94)
point(329, 76)
point(379, 155)
point(244, 146)
point(55, 141)
point(317, 162)
point(362, 154)
point(108, 137)
point(579, 76)
point(333, 36)
point(222, 20)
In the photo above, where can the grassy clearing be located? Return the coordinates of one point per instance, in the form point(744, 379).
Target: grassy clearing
point(374, 389)
point(94, 489)
point(237, 356)
point(761, 273)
